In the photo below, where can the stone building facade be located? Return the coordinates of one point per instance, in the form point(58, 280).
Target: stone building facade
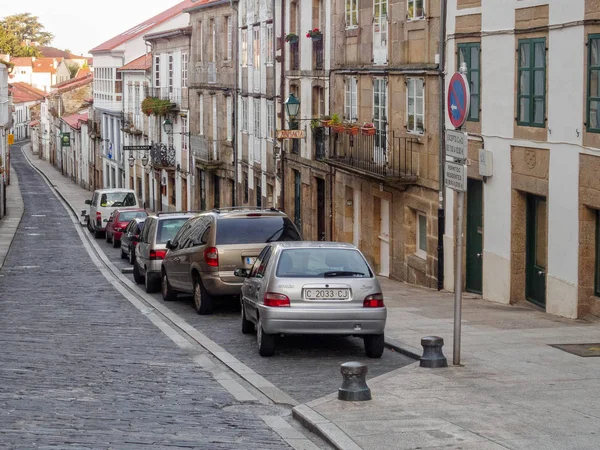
point(384, 162)
point(532, 226)
point(213, 65)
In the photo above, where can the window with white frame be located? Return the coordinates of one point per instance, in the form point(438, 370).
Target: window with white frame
point(229, 38)
point(184, 70)
point(416, 9)
point(229, 112)
point(157, 71)
point(257, 133)
point(201, 114)
point(170, 73)
point(351, 103)
point(213, 38)
point(184, 133)
point(351, 14)
point(269, 59)
point(245, 47)
point(129, 94)
point(270, 119)
point(421, 247)
point(256, 47)
point(415, 107)
point(136, 101)
point(245, 114)
point(200, 41)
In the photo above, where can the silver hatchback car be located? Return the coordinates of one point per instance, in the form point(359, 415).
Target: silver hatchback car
point(312, 288)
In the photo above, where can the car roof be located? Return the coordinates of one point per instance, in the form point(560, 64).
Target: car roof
point(313, 244)
point(109, 191)
point(236, 212)
point(173, 215)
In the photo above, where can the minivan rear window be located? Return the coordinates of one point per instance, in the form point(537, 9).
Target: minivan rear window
point(168, 228)
point(114, 199)
point(255, 230)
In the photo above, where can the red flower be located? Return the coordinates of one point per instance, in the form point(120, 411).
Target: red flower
point(316, 30)
point(307, 35)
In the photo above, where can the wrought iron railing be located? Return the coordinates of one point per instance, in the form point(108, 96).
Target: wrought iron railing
point(383, 154)
point(162, 155)
point(294, 55)
point(165, 93)
point(204, 149)
point(319, 139)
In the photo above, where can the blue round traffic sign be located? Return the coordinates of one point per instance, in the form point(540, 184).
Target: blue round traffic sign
point(459, 99)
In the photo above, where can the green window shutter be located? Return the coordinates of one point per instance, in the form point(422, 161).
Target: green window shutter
point(593, 84)
point(470, 53)
point(531, 93)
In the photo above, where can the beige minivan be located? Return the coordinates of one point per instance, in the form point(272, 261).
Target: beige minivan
point(205, 253)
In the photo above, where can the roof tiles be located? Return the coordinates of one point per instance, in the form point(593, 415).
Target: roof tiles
point(144, 62)
point(23, 92)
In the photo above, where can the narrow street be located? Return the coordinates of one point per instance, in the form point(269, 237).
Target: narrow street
point(81, 367)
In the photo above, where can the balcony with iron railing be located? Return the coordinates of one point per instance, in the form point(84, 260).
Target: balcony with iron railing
point(172, 97)
point(162, 155)
point(381, 155)
point(205, 150)
point(318, 53)
point(294, 55)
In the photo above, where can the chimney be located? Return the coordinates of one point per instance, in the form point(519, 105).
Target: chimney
point(55, 63)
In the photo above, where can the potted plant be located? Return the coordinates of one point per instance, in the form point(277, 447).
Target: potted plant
point(368, 129)
point(352, 128)
point(315, 33)
point(336, 123)
point(291, 37)
point(326, 121)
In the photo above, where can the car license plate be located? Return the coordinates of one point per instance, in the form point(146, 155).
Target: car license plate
point(250, 260)
point(326, 294)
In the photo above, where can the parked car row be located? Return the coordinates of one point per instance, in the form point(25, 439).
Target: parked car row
point(285, 285)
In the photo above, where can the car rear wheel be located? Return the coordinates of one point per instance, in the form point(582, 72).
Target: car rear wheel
point(266, 342)
point(97, 234)
point(123, 254)
point(108, 237)
point(203, 301)
point(116, 243)
point(132, 256)
point(374, 345)
point(168, 294)
point(247, 326)
point(137, 276)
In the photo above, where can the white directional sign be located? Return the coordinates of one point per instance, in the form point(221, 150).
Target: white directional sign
point(456, 144)
point(455, 176)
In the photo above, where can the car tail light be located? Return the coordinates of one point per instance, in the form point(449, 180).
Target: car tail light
point(211, 256)
point(374, 301)
point(98, 216)
point(273, 299)
point(157, 254)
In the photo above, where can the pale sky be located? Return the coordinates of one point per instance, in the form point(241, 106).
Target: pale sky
point(80, 25)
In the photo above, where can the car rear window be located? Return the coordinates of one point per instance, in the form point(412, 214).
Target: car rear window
point(168, 228)
point(321, 263)
point(114, 199)
point(127, 216)
point(255, 230)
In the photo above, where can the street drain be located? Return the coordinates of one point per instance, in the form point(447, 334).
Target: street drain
point(583, 350)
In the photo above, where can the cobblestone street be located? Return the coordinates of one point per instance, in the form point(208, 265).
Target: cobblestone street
point(82, 368)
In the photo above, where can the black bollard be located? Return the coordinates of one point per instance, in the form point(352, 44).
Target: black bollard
point(432, 352)
point(354, 387)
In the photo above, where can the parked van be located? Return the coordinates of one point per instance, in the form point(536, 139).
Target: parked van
point(104, 202)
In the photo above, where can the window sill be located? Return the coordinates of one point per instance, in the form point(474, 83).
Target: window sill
point(352, 32)
point(530, 125)
point(416, 133)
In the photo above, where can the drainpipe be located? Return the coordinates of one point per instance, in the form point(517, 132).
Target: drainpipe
point(275, 42)
point(281, 95)
point(442, 155)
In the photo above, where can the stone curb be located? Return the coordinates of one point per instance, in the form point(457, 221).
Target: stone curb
point(13, 213)
point(324, 428)
point(405, 349)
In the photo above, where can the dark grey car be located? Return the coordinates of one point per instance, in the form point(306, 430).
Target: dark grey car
point(130, 238)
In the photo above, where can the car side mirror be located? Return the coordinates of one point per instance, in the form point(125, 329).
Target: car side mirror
point(169, 245)
point(242, 273)
point(88, 202)
point(83, 213)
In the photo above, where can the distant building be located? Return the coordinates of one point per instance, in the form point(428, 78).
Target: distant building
point(41, 73)
point(25, 97)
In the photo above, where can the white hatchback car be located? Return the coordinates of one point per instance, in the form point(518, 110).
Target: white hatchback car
point(104, 202)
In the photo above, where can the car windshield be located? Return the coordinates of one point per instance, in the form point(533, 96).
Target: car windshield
point(322, 263)
point(112, 199)
point(127, 216)
point(168, 228)
point(255, 230)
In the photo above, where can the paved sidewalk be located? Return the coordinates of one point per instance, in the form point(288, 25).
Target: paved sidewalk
point(513, 391)
point(10, 222)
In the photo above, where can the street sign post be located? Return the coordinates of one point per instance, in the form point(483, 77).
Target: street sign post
point(455, 177)
point(459, 99)
point(290, 134)
point(456, 144)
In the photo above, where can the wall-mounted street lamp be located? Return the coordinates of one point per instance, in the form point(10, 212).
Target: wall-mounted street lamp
point(292, 107)
point(167, 126)
point(131, 160)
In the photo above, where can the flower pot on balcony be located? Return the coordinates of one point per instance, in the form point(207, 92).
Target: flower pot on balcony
point(368, 131)
point(352, 130)
point(338, 128)
point(326, 123)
